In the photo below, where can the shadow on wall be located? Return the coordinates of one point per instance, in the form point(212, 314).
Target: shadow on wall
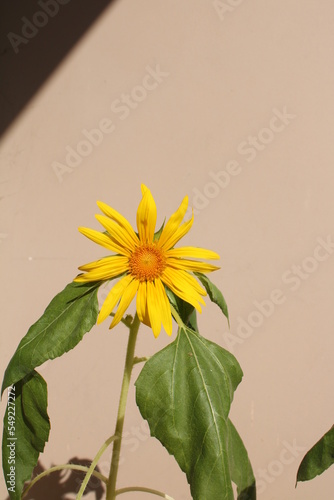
point(35, 37)
point(58, 484)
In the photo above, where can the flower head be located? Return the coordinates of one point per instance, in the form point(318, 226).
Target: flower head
point(146, 264)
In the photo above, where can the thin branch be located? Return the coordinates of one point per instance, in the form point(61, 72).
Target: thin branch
point(61, 467)
point(93, 465)
point(146, 490)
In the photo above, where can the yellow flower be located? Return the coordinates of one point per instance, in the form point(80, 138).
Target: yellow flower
point(145, 264)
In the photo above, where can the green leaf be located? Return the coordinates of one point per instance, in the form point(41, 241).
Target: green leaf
point(192, 321)
point(214, 293)
point(157, 234)
point(71, 314)
point(240, 466)
point(185, 310)
point(318, 458)
point(185, 393)
point(26, 430)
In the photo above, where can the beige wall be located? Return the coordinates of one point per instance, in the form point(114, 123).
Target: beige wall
point(224, 78)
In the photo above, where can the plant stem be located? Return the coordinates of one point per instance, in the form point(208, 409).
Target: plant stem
point(62, 467)
point(111, 485)
point(145, 490)
point(93, 465)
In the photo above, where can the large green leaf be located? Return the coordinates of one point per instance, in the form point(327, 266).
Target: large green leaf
point(185, 393)
point(240, 466)
point(26, 430)
point(71, 314)
point(214, 293)
point(318, 458)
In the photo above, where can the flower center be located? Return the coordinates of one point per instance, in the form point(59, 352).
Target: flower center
point(147, 262)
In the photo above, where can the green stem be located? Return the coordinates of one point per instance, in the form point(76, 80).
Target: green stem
point(140, 360)
point(111, 485)
point(61, 467)
point(146, 490)
point(93, 465)
point(126, 321)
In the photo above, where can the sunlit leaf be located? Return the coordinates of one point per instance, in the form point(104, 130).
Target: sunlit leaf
point(26, 430)
point(240, 466)
point(71, 314)
point(214, 293)
point(185, 310)
point(318, 458)
point(185, 393)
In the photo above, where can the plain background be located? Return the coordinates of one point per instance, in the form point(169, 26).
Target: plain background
point(228, 70)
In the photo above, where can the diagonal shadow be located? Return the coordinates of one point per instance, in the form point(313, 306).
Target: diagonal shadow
point(34, 38)
point(58, 484)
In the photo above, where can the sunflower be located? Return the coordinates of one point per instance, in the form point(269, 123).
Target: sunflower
point(146, 263)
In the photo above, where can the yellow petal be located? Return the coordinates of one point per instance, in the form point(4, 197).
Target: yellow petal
point(174, 237)
point(154, 311)
point(146, 216)
point(127, 297)
point(186, 281)
point(164, 306)
point(104, 269)
point(173, 222)
point(191, 265)
point(102, 262)
point(113, 297)
point(103, 240)
point(117, 217)
point(142, 304)
point(118, 233)
point(184, 286)
point(143, 189)
point(192, 252)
